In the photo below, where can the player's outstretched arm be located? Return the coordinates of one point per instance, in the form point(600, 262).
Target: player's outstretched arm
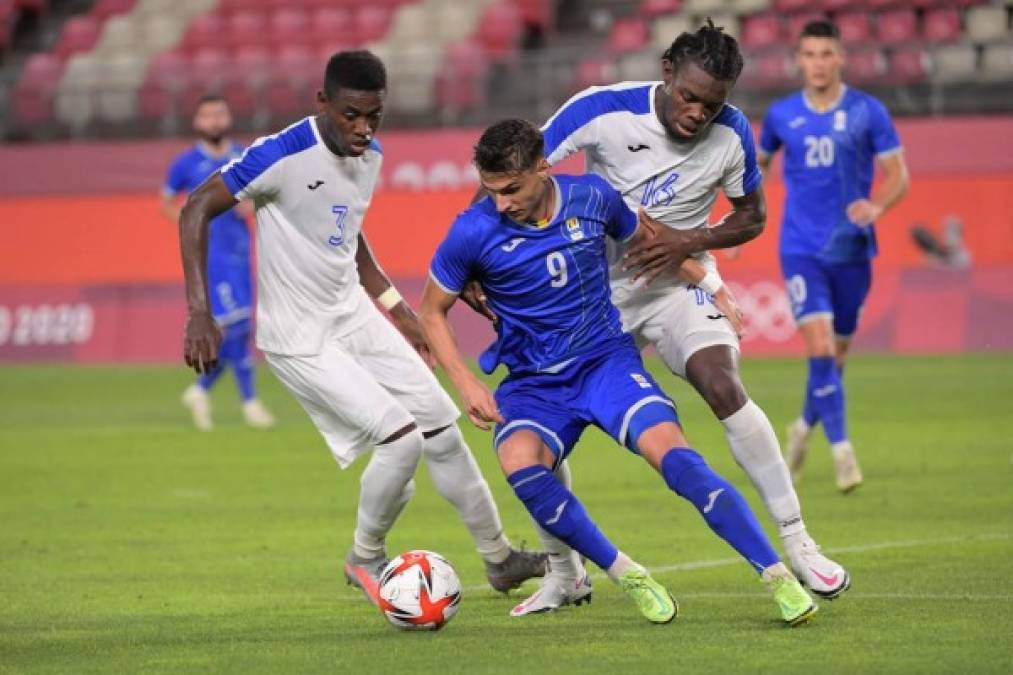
point(894, 184)
point(476, 397)
point(670, 247)
point(379, 287)
point(202, 335)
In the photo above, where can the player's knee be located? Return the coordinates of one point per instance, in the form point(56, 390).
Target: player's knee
point(521, 449)
point(724, 393)
point(446, 443)
point(403, 448)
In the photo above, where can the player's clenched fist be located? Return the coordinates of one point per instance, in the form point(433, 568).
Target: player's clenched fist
point(201, 340)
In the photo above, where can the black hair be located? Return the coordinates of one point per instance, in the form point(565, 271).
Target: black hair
point(509, 146)
point(211, 97)
point(360, 70)
point(820, 28)
point(716, 52)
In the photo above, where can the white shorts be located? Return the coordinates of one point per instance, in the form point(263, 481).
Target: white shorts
point(679, 322)
point(364, 386)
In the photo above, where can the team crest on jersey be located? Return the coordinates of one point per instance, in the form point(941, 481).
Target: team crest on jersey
point(573, 229)
point(841, 120)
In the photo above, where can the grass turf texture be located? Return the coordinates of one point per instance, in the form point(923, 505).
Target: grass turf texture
point(131, 543)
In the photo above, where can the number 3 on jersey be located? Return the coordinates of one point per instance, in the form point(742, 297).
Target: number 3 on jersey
point(339, 212)
point(556, 264)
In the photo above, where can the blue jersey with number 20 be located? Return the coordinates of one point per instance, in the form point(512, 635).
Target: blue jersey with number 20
point(548, 285)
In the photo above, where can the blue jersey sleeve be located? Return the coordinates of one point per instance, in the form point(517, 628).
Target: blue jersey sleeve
point(770, 142)
point(882, 134)
point(175, 182)
point(453, 263)
point(622, 222)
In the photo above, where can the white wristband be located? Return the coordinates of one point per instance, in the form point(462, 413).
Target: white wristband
point(711, 283)
point(390, 298)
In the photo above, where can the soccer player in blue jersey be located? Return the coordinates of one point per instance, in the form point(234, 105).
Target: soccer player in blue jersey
point(537, 246)
point(228, 264)
point(832, 136)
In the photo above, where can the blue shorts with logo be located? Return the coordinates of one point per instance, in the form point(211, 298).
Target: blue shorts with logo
point(818, 288)
point(231, 292)
point(611, 390)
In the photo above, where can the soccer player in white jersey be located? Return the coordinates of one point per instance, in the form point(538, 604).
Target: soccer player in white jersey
point(668, 147)
point(355, 374)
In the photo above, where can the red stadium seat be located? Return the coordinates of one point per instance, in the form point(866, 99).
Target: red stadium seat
point(839, 5)
point(762, 30)
point(898, 25)
point(227, 7)
point(536, 12)
point(499, 29)
point(205, 31)
point(332, 25)
point(80, 33)
point(628, 35)
point(207, 72)
point(325, 50)
point(772, 70)
point(785, 6)
point(653, 8)
point(865, 66)
point(33, 94)
point(855, 27)
point(796, 22)
point(909, 64)
point(35, 6)
point(288, 26)
point(594, 70)
point(246, 28)
point(461, 83)
point(941, 24)
point(103, 9)
point(371, 23)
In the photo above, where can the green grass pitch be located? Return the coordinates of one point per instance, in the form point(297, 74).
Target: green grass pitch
point(130, 543)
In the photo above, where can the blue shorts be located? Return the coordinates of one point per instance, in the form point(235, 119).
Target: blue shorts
point(612, 391)
point(231, 293)
point(836, 290)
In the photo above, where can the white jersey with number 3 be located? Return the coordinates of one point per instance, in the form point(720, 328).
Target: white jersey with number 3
point(623, 140)
point(309, 205)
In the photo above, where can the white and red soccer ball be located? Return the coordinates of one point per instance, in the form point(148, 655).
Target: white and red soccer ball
point(419, 590)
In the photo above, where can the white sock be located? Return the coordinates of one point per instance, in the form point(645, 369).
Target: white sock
point(622, 564)
point(755, 447)
point(458, 478)
point(841, 448)
point(386, 487)
point(564, 562)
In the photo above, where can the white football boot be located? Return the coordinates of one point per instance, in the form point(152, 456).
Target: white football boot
point(555, 592)
point(199, 404)
point(849, 474)
point(256, 415)
point(822, 575)
point(796, 447)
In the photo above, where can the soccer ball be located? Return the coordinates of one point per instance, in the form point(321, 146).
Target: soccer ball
point(419, 590)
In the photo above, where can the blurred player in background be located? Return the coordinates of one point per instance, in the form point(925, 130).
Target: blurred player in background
point(228, 264)
point(832, 136)
point(356, 375)
point(537, 246)
point(668, 147)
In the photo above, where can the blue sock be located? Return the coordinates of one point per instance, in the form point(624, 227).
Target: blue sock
point(720, 504)
point(561, 514)
point(207, 381)
point(236, 353)
point(808, 409)
point(826, 390)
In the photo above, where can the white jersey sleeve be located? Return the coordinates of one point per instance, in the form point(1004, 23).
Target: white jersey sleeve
point(742, 172)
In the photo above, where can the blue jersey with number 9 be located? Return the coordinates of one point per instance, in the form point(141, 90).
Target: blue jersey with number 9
point(548, 285)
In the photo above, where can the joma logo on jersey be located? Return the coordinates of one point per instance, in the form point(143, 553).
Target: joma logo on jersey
point(573, 229)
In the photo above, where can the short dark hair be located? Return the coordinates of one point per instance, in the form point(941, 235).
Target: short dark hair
point(820, 28)
point(716, 52)
point(211, 97)
point(360, 70)
point(509, 146)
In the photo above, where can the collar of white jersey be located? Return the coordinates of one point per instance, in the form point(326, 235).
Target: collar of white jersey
point(830, 108)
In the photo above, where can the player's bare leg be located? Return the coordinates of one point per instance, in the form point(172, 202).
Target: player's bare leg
point(458, 479)
point(387, 487)
point(713, 372)
point(825, 395)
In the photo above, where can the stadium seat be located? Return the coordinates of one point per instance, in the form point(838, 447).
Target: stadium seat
point(866, 65)
point(729, 22)
point(997, 61)
point(855, 27)
point(639, 66)
point(787, 6)
point(332, 25)
point(909, 64)
point(762, 30)
point(747, 7)
point(119, 34)
point(460, 85)
point(163, 84)
point(116, 97)
point(75, 95)
point(654, 8)
point(371, 23)
point(897, 25)
point(80, 33)
point(594, 71)
point(499, 29)
point(246, 28)
point(701, 8)
point(33, 94)
point(771, 70)
point(954, 62)
point(666, 29)
point(207, 72)
point(941, 24)
point(834, 6)
point(204, 31)
point(628, 35)
point(985, 24)
point(796, 22)
point(288, 26)
point(160, 33)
